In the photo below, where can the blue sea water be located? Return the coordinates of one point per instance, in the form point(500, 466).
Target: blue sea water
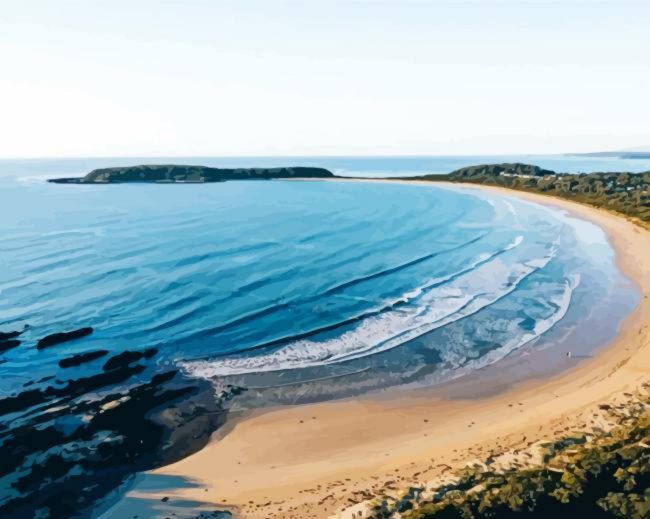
point(300, 290)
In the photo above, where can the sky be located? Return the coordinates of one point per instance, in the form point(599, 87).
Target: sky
point(322, 77)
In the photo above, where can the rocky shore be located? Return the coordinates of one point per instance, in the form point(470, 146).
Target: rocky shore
point(65, 443)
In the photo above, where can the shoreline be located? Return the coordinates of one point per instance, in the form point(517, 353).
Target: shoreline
point(313, 460)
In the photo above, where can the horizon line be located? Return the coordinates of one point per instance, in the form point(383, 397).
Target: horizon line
point(324, 156)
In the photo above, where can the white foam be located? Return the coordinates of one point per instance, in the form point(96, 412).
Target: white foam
point(439, 302)
point(562, 302)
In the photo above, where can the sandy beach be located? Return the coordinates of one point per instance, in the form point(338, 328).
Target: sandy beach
point(316, 460)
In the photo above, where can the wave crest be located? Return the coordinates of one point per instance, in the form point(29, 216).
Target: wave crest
point(437, 303)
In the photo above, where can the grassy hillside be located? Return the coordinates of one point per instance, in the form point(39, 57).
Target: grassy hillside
point(580, 475)
point(625, 193)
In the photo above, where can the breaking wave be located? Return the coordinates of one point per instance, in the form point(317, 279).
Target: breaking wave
point(435, 304)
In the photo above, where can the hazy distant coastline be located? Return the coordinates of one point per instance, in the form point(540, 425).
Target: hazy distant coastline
point(627, 155)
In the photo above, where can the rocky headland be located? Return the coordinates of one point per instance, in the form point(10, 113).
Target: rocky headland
point(179, 174)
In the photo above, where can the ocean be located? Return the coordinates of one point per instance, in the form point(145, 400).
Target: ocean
point(297, 291)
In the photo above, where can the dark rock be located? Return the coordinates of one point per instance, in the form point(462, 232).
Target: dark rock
point(128, 357)
point(8, 344)
point(403, 505)
point(77, 360)
point(74, 388)
point(58, 338)
point(22, 401)
point(161, 378)
point(9, 335)
point(94, 382)
point(64, 445)
point(102, 441)
point(8, 340)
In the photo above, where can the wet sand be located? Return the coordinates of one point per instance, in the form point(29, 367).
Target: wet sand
point(316, 460)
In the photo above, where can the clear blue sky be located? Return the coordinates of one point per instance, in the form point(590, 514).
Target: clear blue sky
point(191, 77)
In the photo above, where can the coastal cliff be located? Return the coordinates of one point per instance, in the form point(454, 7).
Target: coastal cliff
point(170, 174)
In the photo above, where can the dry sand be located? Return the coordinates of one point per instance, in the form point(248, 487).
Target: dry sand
point(315, 460)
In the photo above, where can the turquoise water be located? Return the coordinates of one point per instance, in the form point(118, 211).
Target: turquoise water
point(293, 284)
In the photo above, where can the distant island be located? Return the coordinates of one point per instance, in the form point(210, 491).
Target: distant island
point(173, 174)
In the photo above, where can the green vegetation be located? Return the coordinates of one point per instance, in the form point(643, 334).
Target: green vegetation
point(625, 193)
point(606, 475)
point(170, 174)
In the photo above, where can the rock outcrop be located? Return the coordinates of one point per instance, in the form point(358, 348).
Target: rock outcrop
point(58, 338)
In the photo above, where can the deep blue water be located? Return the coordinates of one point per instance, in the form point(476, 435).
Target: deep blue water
point(270, 284)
